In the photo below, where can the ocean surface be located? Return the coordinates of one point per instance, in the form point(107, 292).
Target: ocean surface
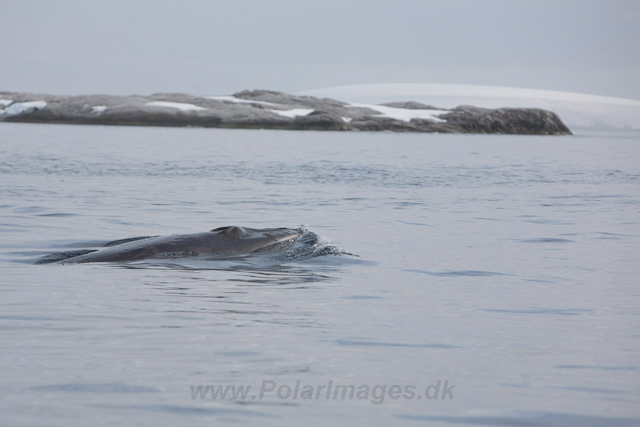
point(493, 279)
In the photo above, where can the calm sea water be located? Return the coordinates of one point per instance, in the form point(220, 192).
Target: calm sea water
point(498, 274)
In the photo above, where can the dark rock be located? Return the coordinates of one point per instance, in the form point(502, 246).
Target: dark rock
point(320, 120)
point(325, 104)
point(411, 105)
point(284, 98)
point(424, 125)
point(377, 124)
point(522, 121)
point(122, 114)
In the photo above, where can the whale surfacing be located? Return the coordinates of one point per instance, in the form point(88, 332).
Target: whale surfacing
point(222, 241)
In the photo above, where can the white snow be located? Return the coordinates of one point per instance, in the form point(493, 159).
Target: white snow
point(98, 109)
point(396, 113)
point(22, 107)
point(575, 109)
point(404, 114)
point(5, 102)
point(376, 93)
point(230, 98)
point(286, 113)
point(294, 112)
point(179, 105)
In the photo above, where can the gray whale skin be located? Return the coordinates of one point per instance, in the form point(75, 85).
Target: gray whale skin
point(230, 240)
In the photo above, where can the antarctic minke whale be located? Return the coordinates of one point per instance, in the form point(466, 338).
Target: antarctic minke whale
point(222, 241)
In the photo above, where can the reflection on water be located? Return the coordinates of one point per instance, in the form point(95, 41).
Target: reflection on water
point(253, 275)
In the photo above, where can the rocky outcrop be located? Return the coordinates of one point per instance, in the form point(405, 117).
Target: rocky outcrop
point(521, 121)
point(411, 105)
point(320, 120)
point(261, 109)
point(340, 108)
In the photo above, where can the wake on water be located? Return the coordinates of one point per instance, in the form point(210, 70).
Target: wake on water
point(310, 245)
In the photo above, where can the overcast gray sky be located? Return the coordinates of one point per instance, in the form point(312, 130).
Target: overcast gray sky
point(220, 47)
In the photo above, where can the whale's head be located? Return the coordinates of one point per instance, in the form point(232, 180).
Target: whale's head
point(255, 240)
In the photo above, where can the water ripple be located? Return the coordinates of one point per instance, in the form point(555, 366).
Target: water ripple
point(461, 273)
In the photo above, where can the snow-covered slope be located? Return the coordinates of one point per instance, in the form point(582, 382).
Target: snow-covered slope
point(576, 110)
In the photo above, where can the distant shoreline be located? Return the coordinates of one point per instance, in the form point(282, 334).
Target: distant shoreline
point(261, 109)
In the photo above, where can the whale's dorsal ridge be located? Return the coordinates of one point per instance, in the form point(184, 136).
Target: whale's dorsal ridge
point(235, 231)
point(231, 231)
